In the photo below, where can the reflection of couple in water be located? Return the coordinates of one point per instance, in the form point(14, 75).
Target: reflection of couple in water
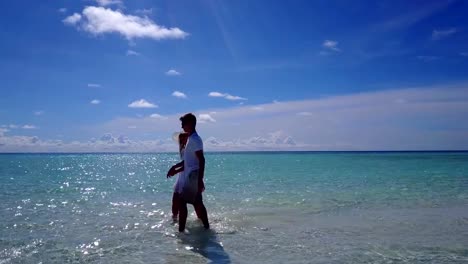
point(189, 184)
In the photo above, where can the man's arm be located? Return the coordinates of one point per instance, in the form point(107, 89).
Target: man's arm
point(201, 170)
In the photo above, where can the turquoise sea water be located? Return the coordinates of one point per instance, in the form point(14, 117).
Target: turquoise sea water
point(394, 207)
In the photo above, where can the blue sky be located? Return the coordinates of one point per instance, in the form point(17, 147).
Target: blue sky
point(111, 75)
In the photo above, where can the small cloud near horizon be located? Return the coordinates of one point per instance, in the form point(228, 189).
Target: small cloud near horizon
point(95, 101)
point(94, 85)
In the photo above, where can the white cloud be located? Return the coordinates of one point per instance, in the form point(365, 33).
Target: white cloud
point(142, 103)
point(440, 34)
point(109, 2)
point(62, 10)
point(215, 94)
point(38, 113)
point(101, 20)
point(95, 101)
point(234, 97)
point(172, 72)
point(132, 53)
point(94, 85)
point(108, 138)
point(179, 94)
point(304, 113)
point(258, 108)
point(122, 139)
point(226, 96)
point(73, 19)
point(29, 127)
point(18, 143)
point(331, 45)
point(158, 116)
point(203, 118)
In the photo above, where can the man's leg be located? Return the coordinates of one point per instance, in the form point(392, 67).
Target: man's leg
point(182, 214)
point(197, 211)
point(175, 205)
point(201, 211)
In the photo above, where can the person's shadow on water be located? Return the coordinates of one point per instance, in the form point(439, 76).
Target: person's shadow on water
point(205, 243)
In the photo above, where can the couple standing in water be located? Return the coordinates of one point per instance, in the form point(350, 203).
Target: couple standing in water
point(189, 185)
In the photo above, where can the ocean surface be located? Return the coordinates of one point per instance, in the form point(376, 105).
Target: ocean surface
point(286, 207)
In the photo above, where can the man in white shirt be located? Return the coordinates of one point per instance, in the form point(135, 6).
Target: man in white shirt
point(191, 185)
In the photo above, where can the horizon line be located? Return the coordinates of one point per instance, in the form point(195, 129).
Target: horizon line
point(247, 151)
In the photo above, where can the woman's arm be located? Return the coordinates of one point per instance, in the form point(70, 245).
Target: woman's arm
point(175, 169)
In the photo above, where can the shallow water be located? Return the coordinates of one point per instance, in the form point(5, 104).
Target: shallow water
point(263, 207)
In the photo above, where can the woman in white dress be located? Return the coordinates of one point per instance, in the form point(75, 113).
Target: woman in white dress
point(182, 140)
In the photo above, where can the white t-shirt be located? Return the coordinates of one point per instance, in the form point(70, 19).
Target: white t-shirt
point(191, 162)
